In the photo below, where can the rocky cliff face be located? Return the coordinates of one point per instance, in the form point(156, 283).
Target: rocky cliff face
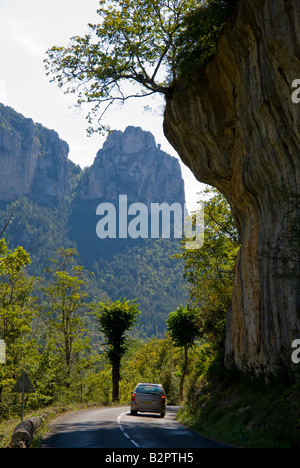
point(240, 132)
point(130, 163)
point(33, 160)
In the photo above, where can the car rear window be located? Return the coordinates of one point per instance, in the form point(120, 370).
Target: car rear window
point(149, 389)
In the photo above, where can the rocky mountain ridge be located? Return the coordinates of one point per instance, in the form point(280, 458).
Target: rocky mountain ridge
point(33, 160)
point(34, 164)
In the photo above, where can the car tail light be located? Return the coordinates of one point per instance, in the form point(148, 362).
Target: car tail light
point(163, 398)
point(133, 397)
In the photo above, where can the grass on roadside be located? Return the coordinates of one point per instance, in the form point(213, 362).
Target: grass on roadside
point(247, 417)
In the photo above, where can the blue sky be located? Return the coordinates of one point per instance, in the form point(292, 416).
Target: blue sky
point(27, 29)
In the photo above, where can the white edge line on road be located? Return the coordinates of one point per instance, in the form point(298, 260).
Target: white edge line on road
point(119, 422)
point(124, 433)
point(134, 443)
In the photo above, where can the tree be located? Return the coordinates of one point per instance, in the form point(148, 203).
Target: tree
point(154, 361)
point(209, 270)
point(17, 310)
point(136, 43)
point(183, 329)
point(115, 320)
point(62, 311)
point(2, 231)
point(16, 303)
point(197, 41)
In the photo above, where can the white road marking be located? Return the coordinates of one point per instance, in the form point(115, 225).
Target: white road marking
point(125, 433)
point(134, 443)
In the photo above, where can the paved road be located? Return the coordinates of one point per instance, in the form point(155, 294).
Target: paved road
point(116, 428)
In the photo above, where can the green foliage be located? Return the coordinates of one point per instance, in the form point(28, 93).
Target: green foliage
point(245, 415)
point(182, 326)
point(61, 349)
point(65, 302)
point(39, 229)
point(10, 119)
point(16, 303)
point(154, 361)
point(17, 311)
point(148, 272)
point(183, 330)
point(209, 270)
point(142, 268)
point(199, 35)
point(115, 320)
point(138, 42)
point(53, 345)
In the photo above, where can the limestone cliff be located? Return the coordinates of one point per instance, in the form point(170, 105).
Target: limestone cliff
point(33, 160)
point(131, 163)
point(239, 131)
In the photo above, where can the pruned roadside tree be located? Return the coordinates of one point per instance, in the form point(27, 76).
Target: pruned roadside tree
point(183, 329)
point(115, 320)
point(138, 48)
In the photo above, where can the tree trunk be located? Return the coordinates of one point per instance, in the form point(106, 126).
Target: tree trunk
point(115, 381)
point(184, 371)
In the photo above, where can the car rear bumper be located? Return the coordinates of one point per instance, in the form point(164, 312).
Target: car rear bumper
point(148, 408)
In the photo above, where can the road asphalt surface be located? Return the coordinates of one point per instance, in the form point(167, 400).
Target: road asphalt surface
point(115, 428)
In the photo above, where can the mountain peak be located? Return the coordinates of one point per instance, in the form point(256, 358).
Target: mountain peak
point(131, 141)
point(131, 163)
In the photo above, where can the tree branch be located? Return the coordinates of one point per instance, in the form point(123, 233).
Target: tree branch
point(7, 223)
